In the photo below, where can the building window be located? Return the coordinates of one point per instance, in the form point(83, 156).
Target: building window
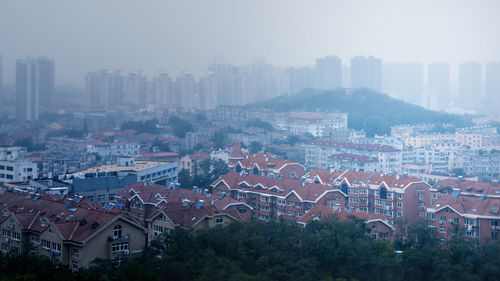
point(442, 229)
point(16, 235)
point(383, 193)
point(74, 265)
point(45, 244)
point(494, 235)
point(56, 247)
point(117, 232)
point(219, 220)
point(119, 247)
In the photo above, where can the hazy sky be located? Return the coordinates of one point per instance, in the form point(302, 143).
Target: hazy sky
point(185, 35)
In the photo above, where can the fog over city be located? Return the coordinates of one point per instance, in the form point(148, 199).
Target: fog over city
point(249, 140)
point(178, 36)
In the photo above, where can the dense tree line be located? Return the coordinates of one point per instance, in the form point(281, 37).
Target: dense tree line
point(329, 250)
point(204, 174)
point(147, 126)
point(367, 110)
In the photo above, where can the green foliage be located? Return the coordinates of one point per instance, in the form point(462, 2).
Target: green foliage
point(367, 110)
point(255, 147)
point(257, 123)
point(218, 136)
point(180, 126)
point(30, 146)
point(323, 250)
point(204, 174)
point(148, 126)
point(162, 146)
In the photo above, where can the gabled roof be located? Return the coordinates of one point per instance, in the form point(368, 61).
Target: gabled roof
point(236, 152)
point(75, 225)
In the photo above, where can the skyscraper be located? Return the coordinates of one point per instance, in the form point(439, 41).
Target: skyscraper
point(104, 89)
point(163, 88)
point(136, 88)
point(366, 72)
point(404, 80)
point(1, 77)
point(469, 84)
point(34, 87)
point(329, 73)
point(438, 83)
point(492, 85)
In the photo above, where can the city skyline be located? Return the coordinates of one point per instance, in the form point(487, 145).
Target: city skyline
point(227, 31)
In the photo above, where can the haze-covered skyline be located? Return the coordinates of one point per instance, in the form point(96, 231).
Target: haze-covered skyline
point(178, 36)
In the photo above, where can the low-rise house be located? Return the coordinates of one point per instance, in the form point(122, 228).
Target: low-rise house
point(65, 232)
point(377, 225)
point(272, 198)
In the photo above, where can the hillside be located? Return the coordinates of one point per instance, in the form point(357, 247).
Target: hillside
point(370, 111)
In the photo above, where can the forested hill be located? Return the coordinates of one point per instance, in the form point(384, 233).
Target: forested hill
point(367, 110)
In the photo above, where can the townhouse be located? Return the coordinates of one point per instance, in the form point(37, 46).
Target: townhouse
point(160, 208)
point(318, 154)
point(463, 207)
point(265, 164)
point(393, 196)
point(377, 225)
point(66, 231)
point(272, 198)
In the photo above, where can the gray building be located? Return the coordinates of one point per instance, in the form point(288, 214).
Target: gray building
point(492, 84)
point(1, 77)
point(366, 72)
point(438, 83)
point(329, 72)
point(102, 187)
point(104, 89)
point(35, 86)
point(406, 80)
point(470, 84)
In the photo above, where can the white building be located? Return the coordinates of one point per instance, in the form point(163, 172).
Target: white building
point(317, 124)
point(114, 149)
point(13, 166)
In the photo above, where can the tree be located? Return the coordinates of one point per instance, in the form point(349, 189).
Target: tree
point(180, 126)
point(185, 179)
point(255, 147)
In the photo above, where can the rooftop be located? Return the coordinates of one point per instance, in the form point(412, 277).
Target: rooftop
point(137, 167)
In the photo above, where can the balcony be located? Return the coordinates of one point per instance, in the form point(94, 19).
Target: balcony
point(124, 238)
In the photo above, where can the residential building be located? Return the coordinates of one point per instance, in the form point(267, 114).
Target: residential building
point(65, 232)
point(273, 199)
point(265, 164)
point(377, 225)
point(366, 72)
point(317, 124)
point(146, 171)
point(14, 166)
point(470, 82)
point(438, 84)
point(492, 84)
point(35, 86)
point(393, 196)
point(329, 73)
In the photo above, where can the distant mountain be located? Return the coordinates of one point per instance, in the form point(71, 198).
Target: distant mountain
point(367, 110)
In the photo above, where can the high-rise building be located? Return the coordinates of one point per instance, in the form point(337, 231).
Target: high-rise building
point(492, 85)
point(104, 89)
point(187, 91)
point(469, 84)
point(136, 89)
point(1, 77)
point(404, 80)
point(329, 73)
point(34, 87)
point(438, 83)
point(366, 72)
point(163, 88)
